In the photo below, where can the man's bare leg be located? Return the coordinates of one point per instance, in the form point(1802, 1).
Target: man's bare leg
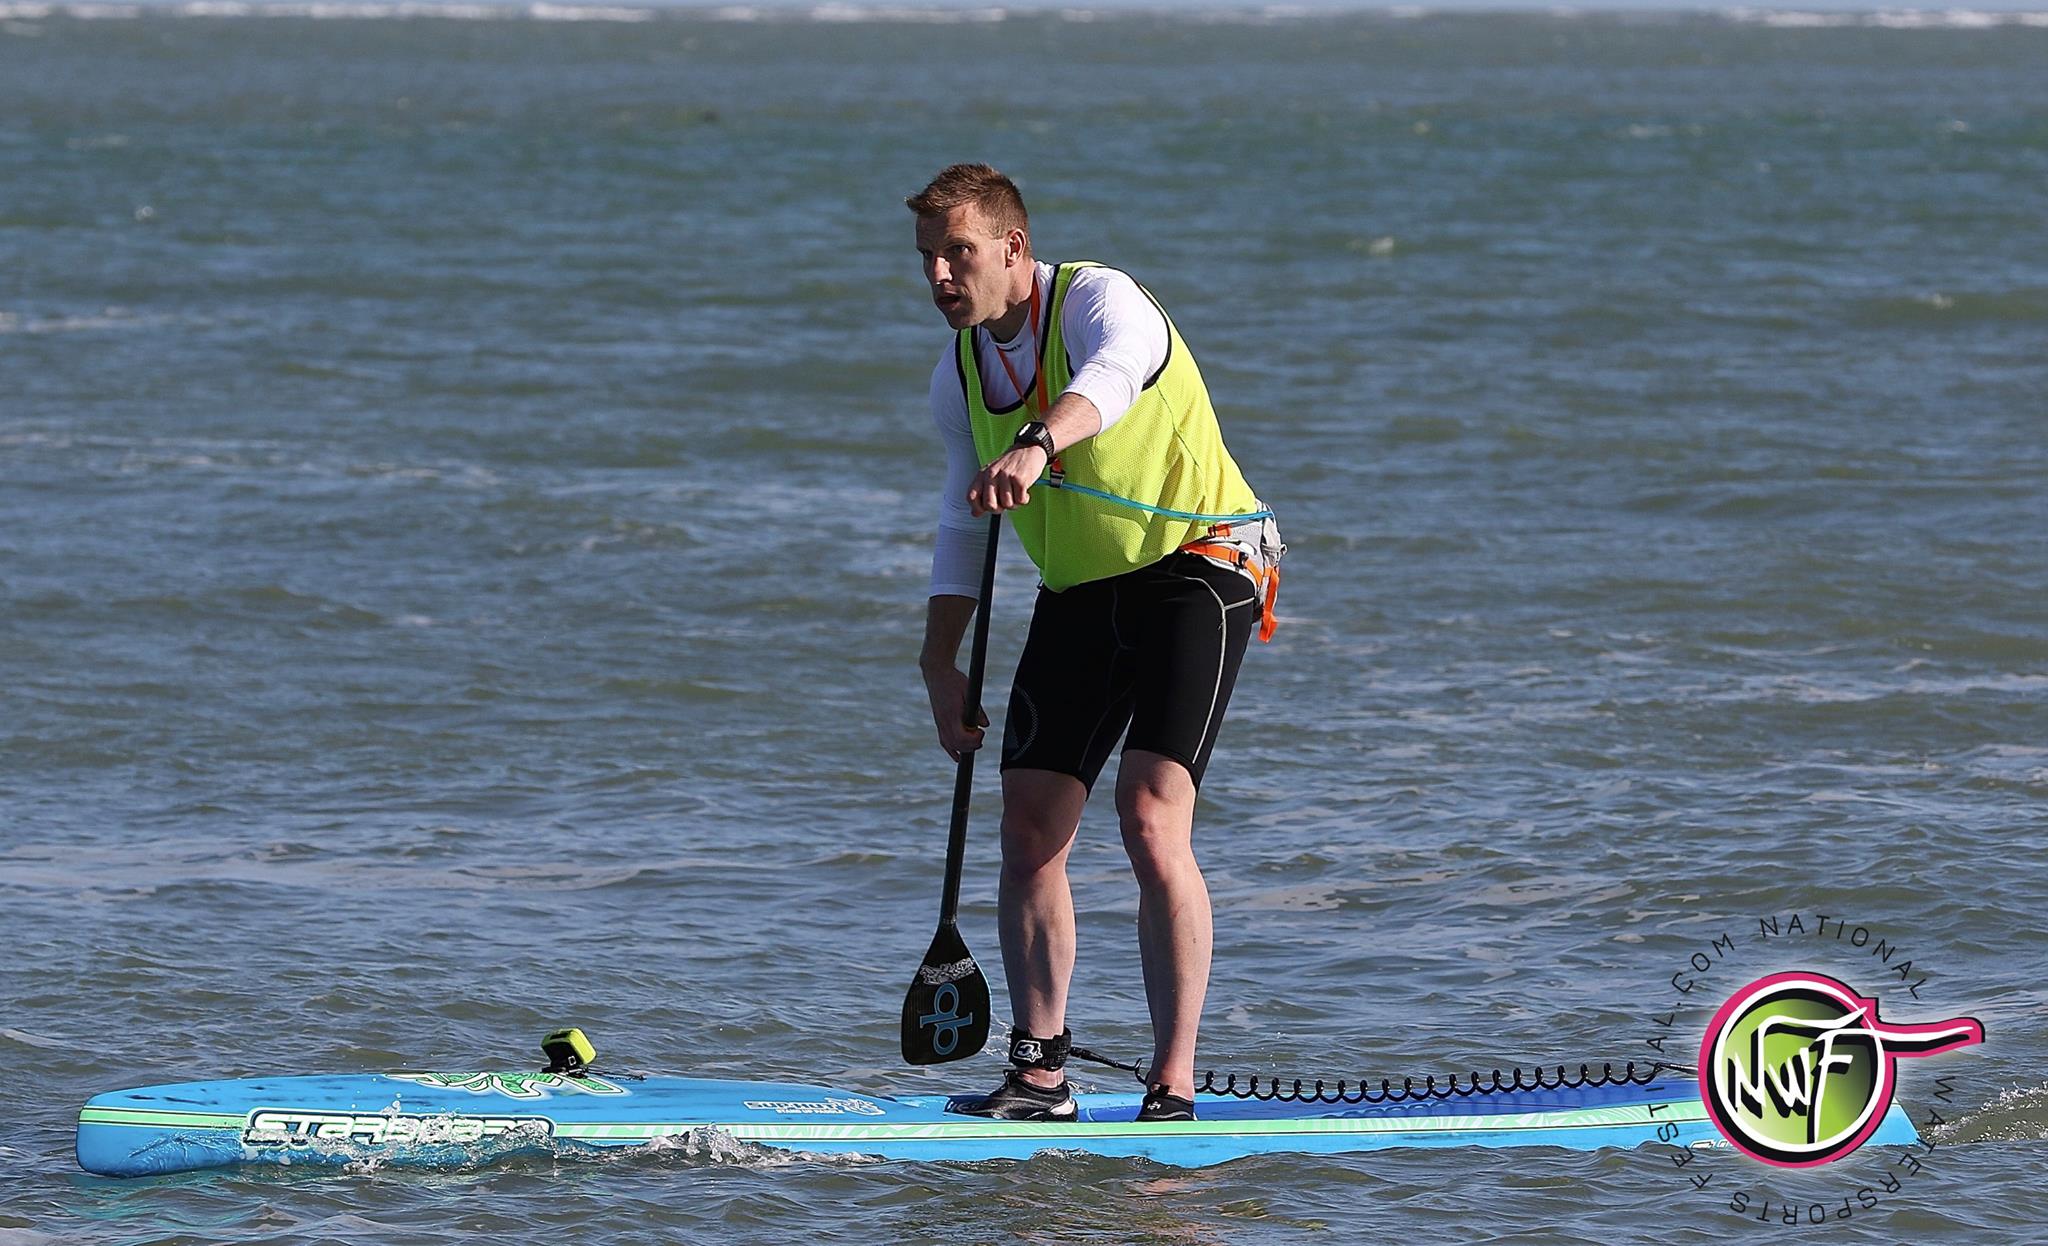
point(1155, 801)
point(1034, 905)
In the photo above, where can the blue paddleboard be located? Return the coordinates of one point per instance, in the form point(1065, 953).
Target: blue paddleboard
point(452, 1119)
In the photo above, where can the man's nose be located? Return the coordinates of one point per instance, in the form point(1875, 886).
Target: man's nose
point(940, 271)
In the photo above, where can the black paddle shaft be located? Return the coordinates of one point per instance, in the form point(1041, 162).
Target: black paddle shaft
point(946, 1011)
point(963, 781)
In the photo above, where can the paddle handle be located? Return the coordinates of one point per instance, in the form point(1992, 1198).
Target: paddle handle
point(963, 780)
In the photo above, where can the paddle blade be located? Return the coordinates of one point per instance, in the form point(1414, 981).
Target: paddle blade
point(945, 1015)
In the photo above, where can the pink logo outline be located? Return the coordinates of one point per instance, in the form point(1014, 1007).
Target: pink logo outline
point(1893, 1041)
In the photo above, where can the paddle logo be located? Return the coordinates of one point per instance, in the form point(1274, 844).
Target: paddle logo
point(945, 1019)
point(1797, 1069)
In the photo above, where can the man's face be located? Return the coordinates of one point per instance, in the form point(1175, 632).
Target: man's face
point(968, 265)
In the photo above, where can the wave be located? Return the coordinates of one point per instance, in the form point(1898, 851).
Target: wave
point(110, 318)
point(1934, 309)
point(938, 13)
point(317, 10)
point(2016, 1114)
point(1886, 19)
point(451, 10)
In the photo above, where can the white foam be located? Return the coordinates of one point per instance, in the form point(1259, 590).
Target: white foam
point(934, 13)
point(586, 13)
point(449, 10)
point(866, 13)
point(111, 318)
point(1887, 19)
point(330, 10)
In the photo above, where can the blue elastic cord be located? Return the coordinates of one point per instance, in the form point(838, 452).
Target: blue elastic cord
point(1189, 516)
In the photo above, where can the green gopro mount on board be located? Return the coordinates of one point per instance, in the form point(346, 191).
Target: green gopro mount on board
point(569, 1052)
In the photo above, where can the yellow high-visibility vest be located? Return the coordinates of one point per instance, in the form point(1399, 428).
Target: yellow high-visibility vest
point(1165, 454)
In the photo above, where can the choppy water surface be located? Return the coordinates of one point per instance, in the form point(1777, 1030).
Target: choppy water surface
point(465, 499)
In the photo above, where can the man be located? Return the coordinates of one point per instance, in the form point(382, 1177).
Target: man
point(1068, 401)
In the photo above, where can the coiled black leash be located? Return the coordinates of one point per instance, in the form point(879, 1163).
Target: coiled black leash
point(1300, 1090)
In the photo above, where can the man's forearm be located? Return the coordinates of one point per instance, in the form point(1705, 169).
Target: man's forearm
point(945, 621)
point(1072, 418)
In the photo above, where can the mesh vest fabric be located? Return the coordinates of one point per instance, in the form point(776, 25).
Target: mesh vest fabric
point(1166, 452)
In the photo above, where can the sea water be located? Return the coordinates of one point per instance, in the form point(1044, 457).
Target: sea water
point(466, 498)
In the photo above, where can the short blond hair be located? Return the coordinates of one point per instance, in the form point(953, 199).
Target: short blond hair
point(982, 185)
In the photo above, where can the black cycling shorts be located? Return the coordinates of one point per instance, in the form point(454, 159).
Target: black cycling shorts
point(1156, 649)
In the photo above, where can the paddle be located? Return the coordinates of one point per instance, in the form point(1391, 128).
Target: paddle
point(945, 1015)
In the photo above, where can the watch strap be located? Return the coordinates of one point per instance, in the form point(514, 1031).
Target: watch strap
point(1035, 434)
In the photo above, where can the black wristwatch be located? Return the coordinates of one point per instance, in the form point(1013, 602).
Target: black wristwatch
point(1035, 434)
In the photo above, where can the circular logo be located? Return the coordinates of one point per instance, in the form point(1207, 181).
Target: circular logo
point(1796, 1069)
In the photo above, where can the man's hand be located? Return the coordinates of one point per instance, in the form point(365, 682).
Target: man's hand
point(948, 690)
point(1006, 483)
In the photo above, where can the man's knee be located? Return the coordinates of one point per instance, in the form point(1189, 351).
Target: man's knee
point(1030, 845)
point(1155, 807)
point(1160, 849)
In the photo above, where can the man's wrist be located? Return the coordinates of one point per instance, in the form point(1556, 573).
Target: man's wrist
point(1035, 434)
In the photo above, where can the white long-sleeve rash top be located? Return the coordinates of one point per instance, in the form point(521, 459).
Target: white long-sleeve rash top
point(1116, 336)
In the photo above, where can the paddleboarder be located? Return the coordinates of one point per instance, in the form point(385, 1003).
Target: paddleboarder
point(1068, 402)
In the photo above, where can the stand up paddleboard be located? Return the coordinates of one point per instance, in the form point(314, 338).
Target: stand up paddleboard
point(441, 1120)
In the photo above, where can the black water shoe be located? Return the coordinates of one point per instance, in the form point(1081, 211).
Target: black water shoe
point(1019, 1100)
point(1160, 1106)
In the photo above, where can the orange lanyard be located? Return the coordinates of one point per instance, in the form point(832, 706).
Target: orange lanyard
point(1038, 381)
